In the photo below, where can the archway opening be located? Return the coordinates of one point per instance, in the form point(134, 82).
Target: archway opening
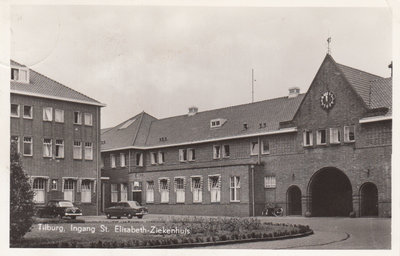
point(331, 193)
point(369, 199)
point(294, 200)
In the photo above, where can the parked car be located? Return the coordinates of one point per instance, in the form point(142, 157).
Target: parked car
point(59, 208)
point(126, 209)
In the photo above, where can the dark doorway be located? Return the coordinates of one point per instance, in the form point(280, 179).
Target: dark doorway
point(137, 196)
point(369, 199)
point(331, 193)
point(294, 200)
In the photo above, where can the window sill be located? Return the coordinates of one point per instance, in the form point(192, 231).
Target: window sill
point(335, 143)
point(59, 158)
point(321, 144)
point(90, 160)
point(28, 155)
point(29, 118)
point(57, 122)
point(265, 153)
point(89, 125)
point(77, 123)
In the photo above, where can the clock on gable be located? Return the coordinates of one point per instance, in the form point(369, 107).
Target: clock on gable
point(327, 100)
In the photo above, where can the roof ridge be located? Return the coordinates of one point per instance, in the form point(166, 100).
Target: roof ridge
point(138, 128)
point(359, 70)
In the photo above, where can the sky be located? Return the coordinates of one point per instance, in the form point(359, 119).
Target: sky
point(164, 59)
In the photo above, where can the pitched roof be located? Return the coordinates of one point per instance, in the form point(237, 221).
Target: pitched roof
point(375, 91)
point(42, 86)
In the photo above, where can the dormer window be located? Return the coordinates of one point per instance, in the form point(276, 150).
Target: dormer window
point(20, 74)
point(217, 122)
point(126, 124)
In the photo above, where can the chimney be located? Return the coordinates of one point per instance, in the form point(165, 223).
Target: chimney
point(193, 111)
point(391, 68)
point(293, 92)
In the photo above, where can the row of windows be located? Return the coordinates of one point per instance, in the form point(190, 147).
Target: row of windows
point(58, 146)
point(48, 114)
point(334, 136)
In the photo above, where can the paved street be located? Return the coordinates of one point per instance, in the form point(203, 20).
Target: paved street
point(329, 233)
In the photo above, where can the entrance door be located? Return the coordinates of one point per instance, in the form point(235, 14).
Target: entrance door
point(294, 200)
point(137, 196)
point(331, 193)
point(369, 199)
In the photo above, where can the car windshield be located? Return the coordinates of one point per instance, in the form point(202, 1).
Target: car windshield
point(65, 204)
point(133, 203)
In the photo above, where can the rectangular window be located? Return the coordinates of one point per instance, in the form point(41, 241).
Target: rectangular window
point(153, 157)
point(235, 189)
point(265, 147)
point(307, 138)
point(113, 163)
point(321, 137)
point(15, 140)
point(77, 154)
point(226, 152)
point(192, 154)
point(39, 185)
point(180, 190)
point(270, 182)
point(15, 74)
point(59, 115)
point(14, 110)
point(114, 193)
point(215, 188)
point(77, 117)
point(19, 75)
point(216, 151)
point(47, 148)
point(88, 151)
point(47, 114)
point(54, 184)
point(150, 192)
point(254, 148)
point(197, 190)
point(334, 136)
point(28, 112)
point(88, 119)
point(28, 149)
point(122, 159)
point(161, 157)
point(124, 192)
point(182, 155)
point(139, 159)
point(69, 190)
point(86, 191)
point(59, 148)
point(349, 134)
point(164, 190)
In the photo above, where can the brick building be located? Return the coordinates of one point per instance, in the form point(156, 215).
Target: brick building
point(327, 152)
point(57, 131)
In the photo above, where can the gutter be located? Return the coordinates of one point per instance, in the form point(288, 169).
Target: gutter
point(374, 119)
point(285, 130)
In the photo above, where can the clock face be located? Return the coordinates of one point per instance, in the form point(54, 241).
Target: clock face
point(327, 100)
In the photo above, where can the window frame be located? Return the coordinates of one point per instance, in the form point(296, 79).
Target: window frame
point(79, 116)
point(44, 115)
point(153, 158)
point(257, 151)
point(235, 188)
point(262, 147)
point(183, 155)
point(85, 115)
point(18, 110)
point(217, 151)
point(331, 136)
point(346, 135)
point(113, 161)
point(30, 112)
point(122, 156)
point(319, 137)
point(59, 145)
point(150, 189)
point(217, 188)
point(15, 139)
point(161, 157)
point(50, 149)
point(224, 155)
point(89, 145)
point(75, 147)
point(191, 154)
point(31, 145)
point(19, 79)
point(270, 182)
point(307, 134)
point(55, 115)
point(139, 160)
point(52, 183)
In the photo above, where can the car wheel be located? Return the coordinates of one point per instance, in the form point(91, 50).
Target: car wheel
point(140, 216)
point(129, 216)
point(108, 216)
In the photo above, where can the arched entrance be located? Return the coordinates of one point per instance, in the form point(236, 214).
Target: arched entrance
point(294, 200)
point(331, 193)
point(369, 199)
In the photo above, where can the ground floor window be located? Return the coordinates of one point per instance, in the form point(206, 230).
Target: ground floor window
point(215, 188)
point(86, 191)
point(39, 185)
point(180, 190)
point(114, 193)
point(235, 189)
point(164, 190)
point(124, 192)
point(197, 189)
point(69, 187)
point(150, 192)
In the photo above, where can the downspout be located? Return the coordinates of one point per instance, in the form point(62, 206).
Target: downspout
point(252, 190)
point(259, 150)
point(97, 160)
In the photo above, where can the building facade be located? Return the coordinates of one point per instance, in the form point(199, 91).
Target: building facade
point(323, 153)
point(57, 133)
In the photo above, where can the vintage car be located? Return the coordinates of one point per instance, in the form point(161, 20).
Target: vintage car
point(127, 209)
point(59, 208)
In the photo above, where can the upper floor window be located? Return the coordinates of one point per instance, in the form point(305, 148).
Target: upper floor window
point(349, 134)
point(59, 148)
point(139, 159)
point(28, 149)
point(53, 185)
point(59, 115)
point(307, 138)
point(47, 114)
point(47, 148)
point(254, 150)
point(216, 151)
point(113, 164)
point(226, 152)
point(321, 137)
point(88, 119)
point(270, 182)
point(122, 159)
point(20, 74)
point(28, 112)
point(334, 135)
point(182, 155)
point(153, 157)
point(192, 154)
point(265, 146)
point(77, 117)
point(77, 150)
point(88, 151)
point(161, 157)
point(14, 110)
point(15, 139)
